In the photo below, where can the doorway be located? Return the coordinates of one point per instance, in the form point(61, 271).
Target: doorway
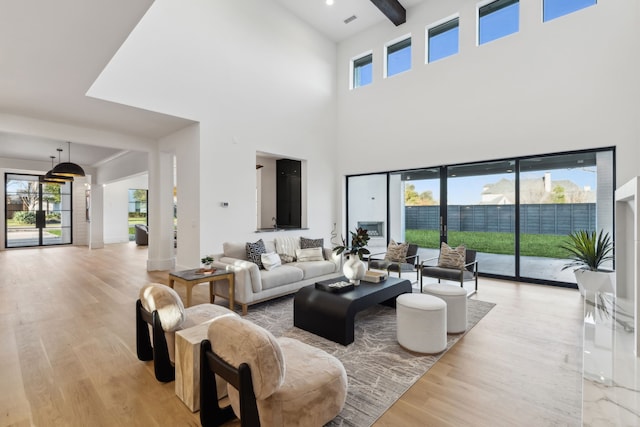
point(36, 213)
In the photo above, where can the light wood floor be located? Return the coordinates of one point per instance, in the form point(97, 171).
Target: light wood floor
point(68, 357)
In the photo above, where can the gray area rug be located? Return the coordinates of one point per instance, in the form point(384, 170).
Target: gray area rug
point(379, 370)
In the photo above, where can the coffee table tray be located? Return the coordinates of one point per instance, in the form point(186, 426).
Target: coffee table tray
point(335, 287)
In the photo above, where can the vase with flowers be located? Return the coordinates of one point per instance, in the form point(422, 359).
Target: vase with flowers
point(353, 268)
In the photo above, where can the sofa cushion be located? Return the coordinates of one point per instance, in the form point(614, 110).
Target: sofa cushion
point(451, 257)
point(286, 248)
point(254, 252)
point(235, 250)
point(310, 254)
point(282, 275)
point(313, 269)
point(167, 302)
point(270, 260)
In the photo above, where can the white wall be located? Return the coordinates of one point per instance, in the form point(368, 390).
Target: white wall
point(568, 84)
point(258, 80)
point(116, 208)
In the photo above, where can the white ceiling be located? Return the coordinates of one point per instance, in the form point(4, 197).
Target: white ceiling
point(52, 51)
point(329, 20)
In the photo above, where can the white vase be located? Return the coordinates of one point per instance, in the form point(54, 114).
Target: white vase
point(595, 281)
point(354, 269)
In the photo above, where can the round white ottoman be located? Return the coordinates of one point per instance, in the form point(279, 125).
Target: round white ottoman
point(422, 323)
point(456, 299)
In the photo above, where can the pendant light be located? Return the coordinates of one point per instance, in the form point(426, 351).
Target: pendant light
point(67, 168)
point(53, 177)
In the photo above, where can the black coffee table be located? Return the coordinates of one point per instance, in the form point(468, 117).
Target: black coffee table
point(331, 315)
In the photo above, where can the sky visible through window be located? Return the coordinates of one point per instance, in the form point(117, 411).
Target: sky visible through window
point(398, 61)
point(468, 191)
point(362, 71)
point(499, 23)
point(443, 44)
point(555, 8)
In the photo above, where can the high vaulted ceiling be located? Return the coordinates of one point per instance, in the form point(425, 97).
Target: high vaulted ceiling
point(52, 51)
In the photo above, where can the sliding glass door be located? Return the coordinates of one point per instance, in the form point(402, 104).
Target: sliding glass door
point(515, 213)
point(36, 214)
point(481, 213)
point(367, 208)
point(561, 194)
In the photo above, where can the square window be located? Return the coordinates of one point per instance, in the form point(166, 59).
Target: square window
point(362, 71)
point(552, 9)
point(498, 19)
point(443, 40)
point(398, 57)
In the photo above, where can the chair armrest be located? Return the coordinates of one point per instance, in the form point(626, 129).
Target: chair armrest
point(427, 260)
point(377, 254)
point(475, 265)
point(416, 259)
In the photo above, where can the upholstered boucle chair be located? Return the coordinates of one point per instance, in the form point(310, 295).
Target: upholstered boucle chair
point(159, 314)
point(271, 381)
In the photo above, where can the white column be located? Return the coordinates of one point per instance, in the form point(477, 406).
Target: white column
point(96, 217)
point(160, 205)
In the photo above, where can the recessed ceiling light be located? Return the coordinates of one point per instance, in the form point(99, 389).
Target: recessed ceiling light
point(329, 2)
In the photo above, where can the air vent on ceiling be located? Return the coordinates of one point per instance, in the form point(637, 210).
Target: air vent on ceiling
point(351, 18)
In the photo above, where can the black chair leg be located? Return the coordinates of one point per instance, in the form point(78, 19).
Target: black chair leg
point(164, 370)
point(143, 340)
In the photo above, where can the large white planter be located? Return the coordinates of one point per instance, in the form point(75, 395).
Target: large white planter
point(595, 281)
point(354, 269)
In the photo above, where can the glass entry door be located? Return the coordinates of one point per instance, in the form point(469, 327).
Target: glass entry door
point(36, 214)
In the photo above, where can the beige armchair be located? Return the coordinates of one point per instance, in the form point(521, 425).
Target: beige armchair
point(159, 314)
point(270, 381)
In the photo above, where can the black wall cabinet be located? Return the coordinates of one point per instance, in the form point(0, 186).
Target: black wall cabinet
point(288, 193)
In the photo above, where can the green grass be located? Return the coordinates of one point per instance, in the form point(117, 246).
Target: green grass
point(538, 245)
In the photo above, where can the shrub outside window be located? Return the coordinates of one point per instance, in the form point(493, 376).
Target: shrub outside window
point(362, 71)
point(498, 19)
point(398, 57)
point(443, 40)
point(552, 9)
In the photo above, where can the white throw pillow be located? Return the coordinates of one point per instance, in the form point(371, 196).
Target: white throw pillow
point(310, 254)
point(287, 246)
point(271, 260)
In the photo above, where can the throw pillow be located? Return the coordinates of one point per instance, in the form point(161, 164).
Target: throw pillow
point(270, 260)
point(311, 243)
point(396, 252)
point(286, 258)
point(452, 257)
point(254, 250)
point(309, 254)
point(286, 248)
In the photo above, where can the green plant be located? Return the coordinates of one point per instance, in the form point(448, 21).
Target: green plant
point(25, 217)
point(588, 250)
point(207, 260)
point(359, 240)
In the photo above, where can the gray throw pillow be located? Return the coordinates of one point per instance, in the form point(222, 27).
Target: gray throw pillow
point(254, 252)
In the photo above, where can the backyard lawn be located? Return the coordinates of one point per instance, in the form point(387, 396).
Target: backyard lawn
point(537, 245)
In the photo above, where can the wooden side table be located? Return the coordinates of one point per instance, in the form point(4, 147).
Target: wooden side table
point(190, 278)
point(187, 358)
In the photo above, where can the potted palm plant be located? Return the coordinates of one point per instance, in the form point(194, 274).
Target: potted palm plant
point(588, 251)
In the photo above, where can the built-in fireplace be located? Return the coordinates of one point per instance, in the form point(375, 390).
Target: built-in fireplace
point(375, 228)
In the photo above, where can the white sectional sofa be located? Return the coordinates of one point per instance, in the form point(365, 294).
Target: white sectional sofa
point(253, 284)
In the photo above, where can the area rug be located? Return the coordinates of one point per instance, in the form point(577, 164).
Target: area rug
point(379, 371)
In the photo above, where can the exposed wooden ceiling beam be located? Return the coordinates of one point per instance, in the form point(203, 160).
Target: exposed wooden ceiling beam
point(392, 10)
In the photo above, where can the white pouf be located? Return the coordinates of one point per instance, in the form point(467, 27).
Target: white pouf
point(422, 323)
point(456, 299)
